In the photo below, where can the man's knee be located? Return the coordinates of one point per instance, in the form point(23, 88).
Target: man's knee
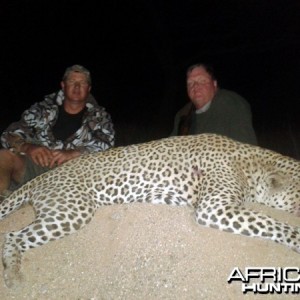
point(12, 165)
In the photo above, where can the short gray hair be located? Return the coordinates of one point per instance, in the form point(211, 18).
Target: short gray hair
point(79, 69)
point(207, 67)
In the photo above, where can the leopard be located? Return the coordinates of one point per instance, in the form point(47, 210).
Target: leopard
point(212, 174)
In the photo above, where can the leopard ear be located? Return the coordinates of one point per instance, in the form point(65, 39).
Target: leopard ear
point(276, 181)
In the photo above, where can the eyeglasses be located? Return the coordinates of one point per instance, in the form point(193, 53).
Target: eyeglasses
point(77, 83)
point(192, 84)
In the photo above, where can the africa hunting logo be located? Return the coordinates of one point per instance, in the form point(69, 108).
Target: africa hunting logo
point(267, 280)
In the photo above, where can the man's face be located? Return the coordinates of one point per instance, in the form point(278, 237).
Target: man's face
point(76, 87)
point(201, 88)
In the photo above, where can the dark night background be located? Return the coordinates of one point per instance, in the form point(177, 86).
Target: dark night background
point(138, 51)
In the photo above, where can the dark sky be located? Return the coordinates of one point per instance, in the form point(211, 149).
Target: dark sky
point(138, 51)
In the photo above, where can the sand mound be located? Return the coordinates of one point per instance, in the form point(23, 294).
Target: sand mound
point(143, 251)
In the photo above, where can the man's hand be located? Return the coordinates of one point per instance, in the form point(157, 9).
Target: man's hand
point(40, 155)
point(45, 157)
point(61, 156)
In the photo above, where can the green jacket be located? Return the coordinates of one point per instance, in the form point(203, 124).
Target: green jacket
point(229, 114)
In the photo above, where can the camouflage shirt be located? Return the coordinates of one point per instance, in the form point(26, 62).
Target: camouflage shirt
point(35, 126)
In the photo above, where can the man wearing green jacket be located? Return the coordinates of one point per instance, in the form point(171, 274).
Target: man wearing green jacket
point(213, 110)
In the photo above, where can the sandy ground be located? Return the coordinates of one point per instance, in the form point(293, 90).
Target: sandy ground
point(143, 251)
